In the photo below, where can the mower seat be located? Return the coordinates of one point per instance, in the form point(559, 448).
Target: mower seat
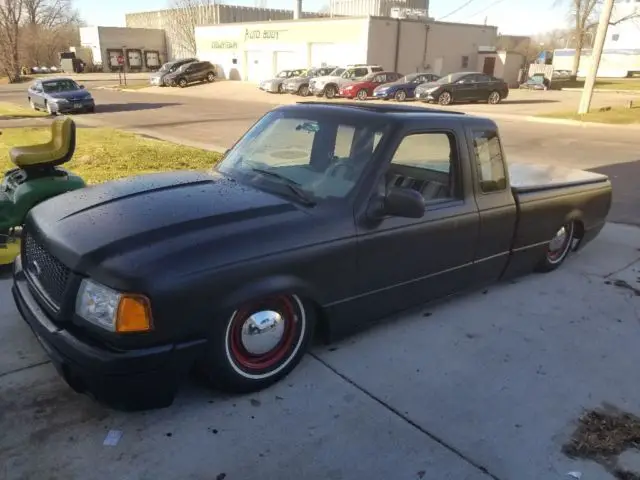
point(55, 152)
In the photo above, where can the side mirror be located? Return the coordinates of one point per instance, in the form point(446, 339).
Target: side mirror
point(81, 87)
point(404, 202)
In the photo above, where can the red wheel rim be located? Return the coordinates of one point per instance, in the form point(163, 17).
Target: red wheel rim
point(283, 305)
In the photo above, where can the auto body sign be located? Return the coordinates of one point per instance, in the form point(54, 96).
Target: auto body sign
point(258, 34)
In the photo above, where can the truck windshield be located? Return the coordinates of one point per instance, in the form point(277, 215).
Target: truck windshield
point(308, 156)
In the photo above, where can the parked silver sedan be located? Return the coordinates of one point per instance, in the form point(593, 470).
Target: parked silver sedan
point(275, 85)
point(300, 85)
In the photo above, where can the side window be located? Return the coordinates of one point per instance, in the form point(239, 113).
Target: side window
point(360, 72)
point(424, 162)
point(483, 78)
point(489, 161)
point(376, 69)
point(379, 79)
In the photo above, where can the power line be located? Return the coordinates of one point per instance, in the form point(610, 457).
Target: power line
point(465, 4)
point(491, 5)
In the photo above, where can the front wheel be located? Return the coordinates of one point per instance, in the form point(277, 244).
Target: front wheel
point(330, 91)
point(210, 77)
point(400, 96)
point(182, 83)
point(558, 249)
point(445, 98)
point(258, 344)
point(303, 91)
point(362, 94)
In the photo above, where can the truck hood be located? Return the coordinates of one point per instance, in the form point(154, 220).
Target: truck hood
point(149, 220)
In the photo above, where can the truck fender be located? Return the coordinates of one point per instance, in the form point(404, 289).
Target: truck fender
point(576, 215)
point(272, 285)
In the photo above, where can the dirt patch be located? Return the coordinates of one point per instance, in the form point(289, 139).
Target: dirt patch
point(602, 435)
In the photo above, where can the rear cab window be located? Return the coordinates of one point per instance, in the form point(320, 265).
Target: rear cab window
point(489, 161)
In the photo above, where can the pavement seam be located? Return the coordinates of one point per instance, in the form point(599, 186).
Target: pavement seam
point(22, 369)
point(608, 275)
point(406, 419)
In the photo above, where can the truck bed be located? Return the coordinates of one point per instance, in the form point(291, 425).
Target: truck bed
point(526, 178)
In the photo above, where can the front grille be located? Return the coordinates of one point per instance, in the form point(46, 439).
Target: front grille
point(48, 274)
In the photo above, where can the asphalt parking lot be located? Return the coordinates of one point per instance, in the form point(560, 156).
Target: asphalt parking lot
point(488, 385)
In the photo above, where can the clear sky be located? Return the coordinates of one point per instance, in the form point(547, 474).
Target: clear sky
point(516, 17)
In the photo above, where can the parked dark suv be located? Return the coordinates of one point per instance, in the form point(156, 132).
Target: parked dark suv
point(158, 78)
point(191, 73)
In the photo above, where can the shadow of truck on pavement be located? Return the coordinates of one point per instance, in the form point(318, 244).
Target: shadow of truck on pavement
point(131, 107)
point(626, 194)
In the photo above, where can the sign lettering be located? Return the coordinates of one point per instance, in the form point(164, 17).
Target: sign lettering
point(224, 44)
point(262, 34)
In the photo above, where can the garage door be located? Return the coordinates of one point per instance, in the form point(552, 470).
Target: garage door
point(329, 54)
point(259, 66)
point(288, 61)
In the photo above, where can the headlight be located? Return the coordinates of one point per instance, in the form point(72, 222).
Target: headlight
point(112, 310)
point(59, 100)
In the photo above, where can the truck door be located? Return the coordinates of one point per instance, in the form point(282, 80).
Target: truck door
point(496, 204)
point(409, 261)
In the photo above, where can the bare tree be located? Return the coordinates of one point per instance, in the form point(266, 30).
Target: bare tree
point(10, 18)
point(184, 17)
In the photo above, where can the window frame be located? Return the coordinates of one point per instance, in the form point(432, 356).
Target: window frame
point(455, 171)
point(477, 167)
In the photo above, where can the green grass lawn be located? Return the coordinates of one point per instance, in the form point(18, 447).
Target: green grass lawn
point(104, 154)
point(11, 110)
point(617, 115)
point(604, 83)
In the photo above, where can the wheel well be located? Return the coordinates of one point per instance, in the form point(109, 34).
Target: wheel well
point(578, 233)
point(322, 332)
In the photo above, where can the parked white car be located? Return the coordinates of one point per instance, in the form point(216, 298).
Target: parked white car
point(329, 85)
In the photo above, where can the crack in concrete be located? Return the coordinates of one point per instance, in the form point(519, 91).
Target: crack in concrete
point(22, 369)
point(406, 419)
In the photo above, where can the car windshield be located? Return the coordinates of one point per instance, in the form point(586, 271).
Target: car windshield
point(309, 157)
point(409, 78)
point(166, 67)
point(451, 78)
point(65, 85)
point(284, 74)
point(337, 72)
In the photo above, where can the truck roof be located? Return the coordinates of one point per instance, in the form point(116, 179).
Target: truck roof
point(397, 113)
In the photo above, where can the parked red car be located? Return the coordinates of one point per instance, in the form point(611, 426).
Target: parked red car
point(363, 89)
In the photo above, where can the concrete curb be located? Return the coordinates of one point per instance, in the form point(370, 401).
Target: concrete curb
point(557, 121)
point(602, 90)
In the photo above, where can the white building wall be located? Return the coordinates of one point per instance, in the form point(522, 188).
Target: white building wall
point(90, 38)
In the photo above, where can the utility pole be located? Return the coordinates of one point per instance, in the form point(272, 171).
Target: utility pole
point(596, 53)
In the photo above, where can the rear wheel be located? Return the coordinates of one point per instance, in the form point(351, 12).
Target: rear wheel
point(494, 98)
point(182, 83)
point(558, 249)
point(259, 343)
point(281, 88)
point(362, 94)
point(210, 77)
point(400, 96)
point(445, 98)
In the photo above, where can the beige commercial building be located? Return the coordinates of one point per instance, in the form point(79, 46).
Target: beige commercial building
point(257, 50)
point(142, 49)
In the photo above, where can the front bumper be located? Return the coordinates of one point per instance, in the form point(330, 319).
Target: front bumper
point(74, 107)
point(126, 379)
point(269, 87)
point(317, 90)
point(425, 96)
point(346, 93)
point(383, 94)
point(156, 81)
point(291, 87)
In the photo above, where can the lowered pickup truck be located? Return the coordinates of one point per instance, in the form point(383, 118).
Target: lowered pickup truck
point(321, 218)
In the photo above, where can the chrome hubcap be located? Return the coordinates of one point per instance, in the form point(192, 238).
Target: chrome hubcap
point(558, 241)
point(444, 98)
point(262, 332)
point(494, 98)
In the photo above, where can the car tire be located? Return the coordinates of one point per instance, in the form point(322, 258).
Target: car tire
point(210, 77)
point(330, 91)
point(445, 98)
point(280, 88)
point(400, 96)
point(494, 98)
point(362, 94)
point(559, 248)
point(182, 83)
point(303, 91)
point(229, 364)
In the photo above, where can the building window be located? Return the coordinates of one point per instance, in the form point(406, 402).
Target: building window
point(615, 37)
point(465, 62)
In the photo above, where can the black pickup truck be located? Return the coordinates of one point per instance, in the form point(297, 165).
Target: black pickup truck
point(321, 218)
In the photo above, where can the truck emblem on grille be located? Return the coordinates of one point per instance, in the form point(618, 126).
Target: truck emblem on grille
point(35, 268)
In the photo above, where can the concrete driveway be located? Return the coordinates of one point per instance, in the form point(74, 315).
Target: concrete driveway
point(485, 386)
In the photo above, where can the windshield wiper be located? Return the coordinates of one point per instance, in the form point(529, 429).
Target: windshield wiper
point(291, 184)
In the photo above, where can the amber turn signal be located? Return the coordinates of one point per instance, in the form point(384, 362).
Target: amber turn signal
point(134, 314)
